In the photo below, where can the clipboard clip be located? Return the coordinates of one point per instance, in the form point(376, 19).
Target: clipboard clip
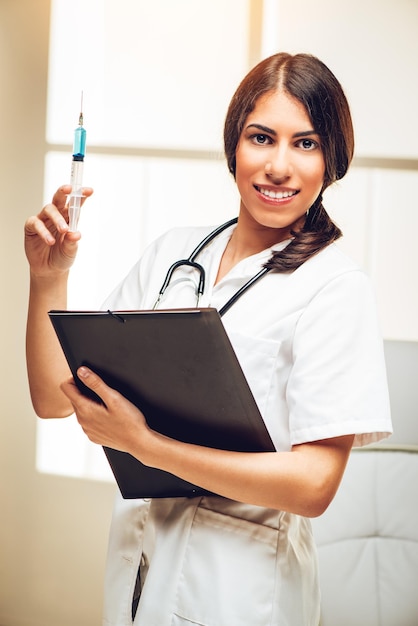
point(117, 317)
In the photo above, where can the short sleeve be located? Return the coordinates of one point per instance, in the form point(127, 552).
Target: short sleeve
point(337, 384)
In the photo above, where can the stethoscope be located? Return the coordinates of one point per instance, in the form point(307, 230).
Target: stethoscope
point(191, 262)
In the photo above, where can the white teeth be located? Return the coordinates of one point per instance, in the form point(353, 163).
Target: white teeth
point(276, 195)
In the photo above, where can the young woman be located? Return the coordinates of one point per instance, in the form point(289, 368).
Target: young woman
point(307, 338)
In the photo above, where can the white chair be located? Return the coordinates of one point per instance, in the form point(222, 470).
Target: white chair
point(368, 538)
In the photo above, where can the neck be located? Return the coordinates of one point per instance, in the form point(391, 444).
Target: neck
point(245, 242)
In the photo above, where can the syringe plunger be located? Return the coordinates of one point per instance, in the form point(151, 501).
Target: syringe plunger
point(74, 200)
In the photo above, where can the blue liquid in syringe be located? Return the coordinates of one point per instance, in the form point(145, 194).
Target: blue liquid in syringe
point(79, 147)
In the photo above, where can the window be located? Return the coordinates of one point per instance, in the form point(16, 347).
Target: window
point(156, 79)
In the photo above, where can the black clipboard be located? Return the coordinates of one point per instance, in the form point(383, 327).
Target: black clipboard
point(180, 369)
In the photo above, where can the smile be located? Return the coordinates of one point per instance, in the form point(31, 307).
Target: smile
point(275, 195)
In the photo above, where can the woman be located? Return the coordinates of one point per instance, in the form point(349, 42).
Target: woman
point(307, 339)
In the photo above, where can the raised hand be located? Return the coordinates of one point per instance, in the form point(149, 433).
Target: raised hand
point(50, 247)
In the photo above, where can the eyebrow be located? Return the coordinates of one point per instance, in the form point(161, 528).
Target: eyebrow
point(270, 131)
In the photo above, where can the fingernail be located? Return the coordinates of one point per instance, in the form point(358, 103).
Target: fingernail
point(83, 372)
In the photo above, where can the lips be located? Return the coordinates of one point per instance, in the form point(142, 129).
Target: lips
point(276, 195)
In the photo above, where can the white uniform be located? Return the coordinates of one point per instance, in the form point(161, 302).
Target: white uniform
point(310, 347)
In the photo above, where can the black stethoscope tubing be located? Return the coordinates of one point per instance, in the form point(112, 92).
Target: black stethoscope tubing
point(191, 262)
point(242, 290)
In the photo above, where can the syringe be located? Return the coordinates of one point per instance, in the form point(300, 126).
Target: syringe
point(79, 148)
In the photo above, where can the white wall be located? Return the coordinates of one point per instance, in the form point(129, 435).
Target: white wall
point(53, 530)
point(372, 47)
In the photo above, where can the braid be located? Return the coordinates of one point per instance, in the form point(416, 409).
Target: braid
point(317, 233)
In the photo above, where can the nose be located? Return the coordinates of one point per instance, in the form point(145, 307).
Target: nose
point(278, 167)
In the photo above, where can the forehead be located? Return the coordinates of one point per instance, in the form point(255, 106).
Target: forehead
point(278, 108)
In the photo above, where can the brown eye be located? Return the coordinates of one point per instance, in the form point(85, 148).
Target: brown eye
point(261, 139)
point(308, 144)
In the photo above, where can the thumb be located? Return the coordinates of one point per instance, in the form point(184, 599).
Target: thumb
point(90, 379)
point(93, 381)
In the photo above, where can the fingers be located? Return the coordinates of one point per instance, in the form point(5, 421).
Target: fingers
point(46, 228)
point(69, 388)
point(117, 423)
point(60, 196)
point(52, 219)
point(91, 380)
point(87, 192)
point(50, 247)
point(106, 424)
point(35, 226)
point(91, 416)
point(47, 221)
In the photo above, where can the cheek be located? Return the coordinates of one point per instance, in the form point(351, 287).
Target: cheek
point(315, 174)
point(241, 159)
point(243, 168)
point(241, 182)
point(249, 165)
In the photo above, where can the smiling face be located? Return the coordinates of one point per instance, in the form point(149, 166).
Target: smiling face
point(280, 165)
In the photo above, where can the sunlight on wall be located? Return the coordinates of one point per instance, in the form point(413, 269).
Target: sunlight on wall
point(148, 83)
point(154, 74)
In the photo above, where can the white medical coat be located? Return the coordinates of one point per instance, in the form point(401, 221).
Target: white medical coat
point(310, 347)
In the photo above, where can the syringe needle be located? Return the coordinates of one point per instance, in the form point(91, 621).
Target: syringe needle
point(80, 119)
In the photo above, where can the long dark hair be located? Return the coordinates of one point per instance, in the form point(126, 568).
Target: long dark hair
point(309, 81)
